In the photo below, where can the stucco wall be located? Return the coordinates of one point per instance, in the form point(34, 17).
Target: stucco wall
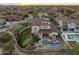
point(53, 33)
point(35, 29)
point(60, 23)
point(71, 25)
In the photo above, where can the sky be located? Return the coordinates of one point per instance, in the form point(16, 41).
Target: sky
point(41, 1)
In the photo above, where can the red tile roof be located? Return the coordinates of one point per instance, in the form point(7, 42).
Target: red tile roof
point(64, 19)
point(36, 22)
point(14, 17)
point(54, 28)
point(39, 22)
point(45, 31)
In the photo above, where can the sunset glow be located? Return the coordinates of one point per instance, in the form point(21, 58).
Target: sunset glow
point(41, 2)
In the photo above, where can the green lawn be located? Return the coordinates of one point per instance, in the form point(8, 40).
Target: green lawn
point(26, 42)
point(26, 33)
point(75, 48)
point(25, 37)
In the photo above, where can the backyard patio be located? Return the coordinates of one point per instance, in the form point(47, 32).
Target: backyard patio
point(49, 43)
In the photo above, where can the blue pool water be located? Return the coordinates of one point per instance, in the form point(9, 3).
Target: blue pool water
point(55, 45)
point(73, 36)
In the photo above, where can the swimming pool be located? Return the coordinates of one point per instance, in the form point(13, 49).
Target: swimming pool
point(55, 45)
point(73, 36)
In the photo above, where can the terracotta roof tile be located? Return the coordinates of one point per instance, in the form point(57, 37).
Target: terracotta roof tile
point(45, 31)
point(39, 22)
point(14, 17)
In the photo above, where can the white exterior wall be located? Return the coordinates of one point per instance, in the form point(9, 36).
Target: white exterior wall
point(30, 16)
point(71, 25)
point(35, 29)
point(60, 23)
point(45, 27)
point(53, 33)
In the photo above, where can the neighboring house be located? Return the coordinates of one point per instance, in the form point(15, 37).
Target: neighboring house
point(43, 27)
point(67, 24)
point(2, 23)
point(43, 15)
point(14, 17)
point(69, 28)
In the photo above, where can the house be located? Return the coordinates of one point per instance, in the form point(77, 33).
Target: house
point(14, 17)
point(43, 27)
point(2, 23)
point(67, 24)
point(43, 15)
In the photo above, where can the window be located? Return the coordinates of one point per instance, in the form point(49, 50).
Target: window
point(71, 29)
point(35, 29)
point(77, 28)
point(65, 29)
